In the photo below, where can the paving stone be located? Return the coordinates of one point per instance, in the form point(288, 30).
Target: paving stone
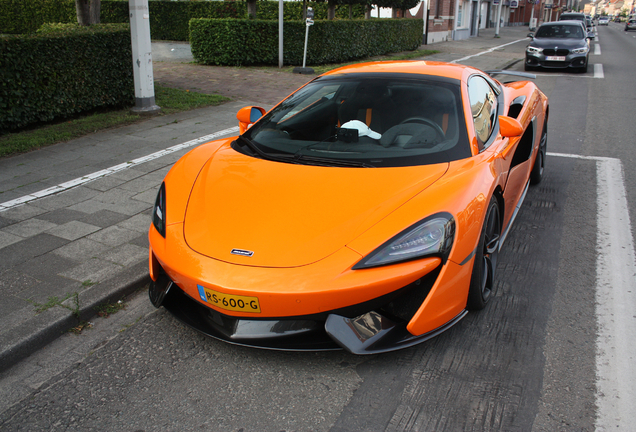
point(81, 250)
point(6, 239)
point(149, 196)
point(23, 212)
point(10, 304)
point(67, 198)
point(89, 206)
point(29, 228)
point(141, 241)
point(29, 248)
point(92, 271)
point(139, 223)
point(105, 183)
point(104, 218)
point(140, 184)
point(130, 207)
point(13, 282)
point(115, 196)
point(44, 267)
point(57, 286)
point(113, 236)
point(4, 222)
point(61, 216)
point(73, 230)
point(128, 174)
point(126, 254)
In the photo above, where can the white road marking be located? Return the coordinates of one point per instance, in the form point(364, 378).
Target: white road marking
point(615, 299)
point(598, 71)
point(488, 51)
point(108, 171)
point(597, 49)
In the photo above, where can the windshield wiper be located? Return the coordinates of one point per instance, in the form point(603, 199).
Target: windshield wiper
point(263, 154)
point(332, 162)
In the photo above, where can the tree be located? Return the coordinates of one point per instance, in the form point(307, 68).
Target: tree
point(251, 8)
point(87, 11)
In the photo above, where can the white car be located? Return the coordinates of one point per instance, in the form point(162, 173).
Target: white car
point(603, 21)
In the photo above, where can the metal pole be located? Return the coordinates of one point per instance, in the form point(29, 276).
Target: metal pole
point(142, 57)
point(280, 33)
point(498, 19)
point(305, 53)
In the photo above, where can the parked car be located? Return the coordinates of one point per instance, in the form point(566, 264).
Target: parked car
point(584, 19)
point(617, 19)
point(630, 24)
point(603, 21)
point(366, 211)
point(558, 45)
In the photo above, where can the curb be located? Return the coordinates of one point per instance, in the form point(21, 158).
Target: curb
point(49, 325)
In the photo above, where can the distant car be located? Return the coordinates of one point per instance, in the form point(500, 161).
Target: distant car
point(558, 45)
point(584, 19)
point(603, 21)
point(617, 19)
point(630, 24)
point(366, 211)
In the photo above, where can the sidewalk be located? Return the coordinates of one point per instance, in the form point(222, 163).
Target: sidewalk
point(74, 216)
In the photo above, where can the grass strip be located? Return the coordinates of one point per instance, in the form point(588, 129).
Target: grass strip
point(169, 99)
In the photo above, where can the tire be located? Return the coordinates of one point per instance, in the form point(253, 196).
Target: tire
point(539, 163)
point(527, 68)
point(482, 281)
point(583, 69)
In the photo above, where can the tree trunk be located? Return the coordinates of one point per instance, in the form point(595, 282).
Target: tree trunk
point(251, 8)
point(87, 11)
point(367, 12)
point(350, 11)
point(331, 10)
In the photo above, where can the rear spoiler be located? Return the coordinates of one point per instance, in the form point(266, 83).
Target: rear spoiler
point(513, 73)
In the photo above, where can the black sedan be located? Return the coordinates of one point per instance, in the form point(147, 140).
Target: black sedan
point(558, 45)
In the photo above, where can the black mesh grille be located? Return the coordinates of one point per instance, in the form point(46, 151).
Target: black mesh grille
point(559, 52)
point(404, 306)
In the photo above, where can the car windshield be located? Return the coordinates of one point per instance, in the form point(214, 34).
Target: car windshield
point(378, 120)
point(560, 31)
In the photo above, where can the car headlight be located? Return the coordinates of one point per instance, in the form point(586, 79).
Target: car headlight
point(533, 50)
point(159, 211)
point(580, 50)
point(432, 236)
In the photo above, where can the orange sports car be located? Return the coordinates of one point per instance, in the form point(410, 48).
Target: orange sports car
point(366, 211)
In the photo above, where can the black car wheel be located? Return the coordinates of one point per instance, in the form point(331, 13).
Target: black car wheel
point(482, 281)
point(539, 163)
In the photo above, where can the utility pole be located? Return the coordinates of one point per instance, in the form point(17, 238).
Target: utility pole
point(280, 33)
point(498, 18)
point(142, 57)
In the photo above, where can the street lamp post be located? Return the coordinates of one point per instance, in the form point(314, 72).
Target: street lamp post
point(142, 58)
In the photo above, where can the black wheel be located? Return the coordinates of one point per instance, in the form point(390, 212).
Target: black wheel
point(583, 69)
point(539, 163)
point(527, 67)
point(482, 281)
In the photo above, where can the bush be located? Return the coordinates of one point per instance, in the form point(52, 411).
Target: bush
point(168, 19)
point(249, 42)
point(64, 70)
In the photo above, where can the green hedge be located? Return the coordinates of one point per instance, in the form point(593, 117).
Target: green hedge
point(250, 42)
point(168, 19)
point(62, 71)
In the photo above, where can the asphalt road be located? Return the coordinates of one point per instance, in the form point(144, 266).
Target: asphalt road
point(528, 362)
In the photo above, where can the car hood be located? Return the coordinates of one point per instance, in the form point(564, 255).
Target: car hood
point(563, 43)
point(255, 212)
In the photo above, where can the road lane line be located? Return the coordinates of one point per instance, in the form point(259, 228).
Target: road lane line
point(108, 171)
point(615, 299)
point(598, 71)
point(597, 49)
point(489, 51)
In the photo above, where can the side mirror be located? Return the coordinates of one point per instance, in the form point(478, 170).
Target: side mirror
point(248, 116)
point(509, 127)
point(531, 35)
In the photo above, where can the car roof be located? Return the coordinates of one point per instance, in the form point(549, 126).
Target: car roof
point(566, 22)
point(422, 67)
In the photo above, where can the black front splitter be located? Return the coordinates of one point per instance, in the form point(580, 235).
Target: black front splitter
point(277, 334)
point(368, 333)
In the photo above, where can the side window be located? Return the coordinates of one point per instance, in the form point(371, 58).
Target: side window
point(483, 105)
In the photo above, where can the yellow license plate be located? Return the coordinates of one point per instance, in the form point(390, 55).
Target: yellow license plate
point(229, 301)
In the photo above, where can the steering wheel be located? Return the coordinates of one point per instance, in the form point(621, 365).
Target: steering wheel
point(428, 122)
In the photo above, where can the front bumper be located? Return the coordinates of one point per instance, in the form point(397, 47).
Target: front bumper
point(372, 327)
point(574, 61)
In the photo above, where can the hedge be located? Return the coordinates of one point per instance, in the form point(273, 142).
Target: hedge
point(233, 42)
point(168, 19)
point(62, 71)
